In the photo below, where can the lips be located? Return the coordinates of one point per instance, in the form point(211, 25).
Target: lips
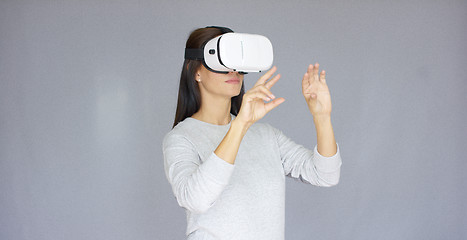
point(233, 81)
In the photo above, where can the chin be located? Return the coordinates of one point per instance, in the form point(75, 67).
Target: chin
point(237, 93)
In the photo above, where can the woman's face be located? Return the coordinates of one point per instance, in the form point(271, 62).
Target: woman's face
point(219, 84)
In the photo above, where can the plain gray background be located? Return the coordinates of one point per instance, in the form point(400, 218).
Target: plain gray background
point(88, 90)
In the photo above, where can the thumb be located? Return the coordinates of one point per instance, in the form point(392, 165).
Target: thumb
point(273, 104)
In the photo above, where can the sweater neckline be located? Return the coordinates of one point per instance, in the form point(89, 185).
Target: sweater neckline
point(232, 117)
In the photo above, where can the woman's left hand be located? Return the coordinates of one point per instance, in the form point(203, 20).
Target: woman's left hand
point(316, 92)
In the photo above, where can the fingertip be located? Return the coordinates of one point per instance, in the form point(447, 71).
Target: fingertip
point(273, 69)
point(279, 101)
point(309, 69)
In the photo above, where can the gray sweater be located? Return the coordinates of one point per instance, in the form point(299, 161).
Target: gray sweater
point(245, 200)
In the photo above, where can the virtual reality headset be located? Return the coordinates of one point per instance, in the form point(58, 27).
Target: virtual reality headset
point(239, 52)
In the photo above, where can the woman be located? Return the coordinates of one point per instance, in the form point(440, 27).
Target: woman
point(227, 171)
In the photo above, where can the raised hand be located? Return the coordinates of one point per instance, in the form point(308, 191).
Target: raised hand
point(253, 104)
point(316, 91)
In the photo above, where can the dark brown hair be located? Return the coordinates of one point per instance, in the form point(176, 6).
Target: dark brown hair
point(189, 97)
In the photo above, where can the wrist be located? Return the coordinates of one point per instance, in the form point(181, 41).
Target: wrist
point(322, 119)
point(238, 125)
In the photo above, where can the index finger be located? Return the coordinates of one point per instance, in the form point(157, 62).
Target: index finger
point(266, 76)
point(273, 81)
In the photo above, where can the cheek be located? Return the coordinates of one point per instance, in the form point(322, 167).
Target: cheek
point(212, 80)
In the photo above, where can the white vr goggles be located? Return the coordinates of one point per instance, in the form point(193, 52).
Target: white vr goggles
point(239, 52)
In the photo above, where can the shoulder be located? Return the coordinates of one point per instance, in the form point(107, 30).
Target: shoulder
point(178, 135)
point(263, 127)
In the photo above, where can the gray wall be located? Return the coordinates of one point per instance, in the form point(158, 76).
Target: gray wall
point(88, 89)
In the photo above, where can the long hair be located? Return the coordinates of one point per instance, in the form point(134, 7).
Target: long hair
point(189, 97)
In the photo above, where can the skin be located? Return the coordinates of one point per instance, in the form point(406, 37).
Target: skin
point(216, 96)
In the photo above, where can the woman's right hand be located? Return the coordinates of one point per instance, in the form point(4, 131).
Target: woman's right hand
point(253, 104)
point(253, 108)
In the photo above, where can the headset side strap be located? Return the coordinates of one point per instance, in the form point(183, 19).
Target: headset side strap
point(194, 53)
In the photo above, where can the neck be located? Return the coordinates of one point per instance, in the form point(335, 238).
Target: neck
point(214, 110)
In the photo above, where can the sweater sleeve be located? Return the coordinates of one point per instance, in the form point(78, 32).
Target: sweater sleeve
point(195, 184)
point(308, 165)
